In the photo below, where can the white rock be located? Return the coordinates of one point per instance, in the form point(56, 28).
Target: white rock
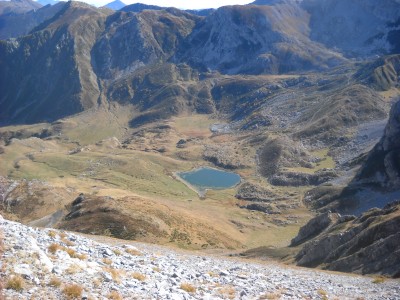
point(24, 270)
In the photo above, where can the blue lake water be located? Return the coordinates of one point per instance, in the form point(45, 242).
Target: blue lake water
point(208, 178)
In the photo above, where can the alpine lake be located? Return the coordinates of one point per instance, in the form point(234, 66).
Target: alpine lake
point(208, 178)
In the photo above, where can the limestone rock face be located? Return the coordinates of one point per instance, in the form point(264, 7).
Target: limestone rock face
point(383, 164)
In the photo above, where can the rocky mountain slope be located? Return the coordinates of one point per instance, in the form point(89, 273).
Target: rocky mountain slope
point(340, 24)
point(56, 264)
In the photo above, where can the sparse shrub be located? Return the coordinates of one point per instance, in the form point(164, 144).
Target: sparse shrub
point(74, 268)
point(73, 291)
point(114, 295)
point(15, 282)
point(117, 252)
point(227, 291)
point(270, 296)
point(323, 294)
point(379, 279)
point(134, 252)
point(54, 247)
point(68, 242)
point(139, 276)
point(156, 269)
point(107, 261)
point(51, 233)
point(188, 287)
point(54, 281)
point(71, 252)
point(115, 274)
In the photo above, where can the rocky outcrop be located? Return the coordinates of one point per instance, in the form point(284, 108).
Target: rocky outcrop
point(252, 192)
point(368, 244)
point(224, 156)
point(280, 153)
point(263, 207)
point(302, 179)
point(382, 74)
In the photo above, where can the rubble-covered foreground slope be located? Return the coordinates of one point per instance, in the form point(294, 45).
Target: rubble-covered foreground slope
point(54, 264)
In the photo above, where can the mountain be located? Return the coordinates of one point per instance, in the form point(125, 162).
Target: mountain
point(18, 6)
point(51, 53)
point(115, 5)
point(18, 24)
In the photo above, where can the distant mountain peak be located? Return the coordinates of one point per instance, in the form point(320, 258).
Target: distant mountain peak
point(46, 2)
point(115, 5)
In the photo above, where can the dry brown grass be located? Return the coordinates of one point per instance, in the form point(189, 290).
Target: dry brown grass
point(116, 274)
point(134, 252)
point(107, 261)
point(54, 281)
point(379, 279)
point(71, 252)
point(15, 282)
point(68, 242)
point(73, 269)
point(52, 233)
point(270, 296)
point(323, 294)
point(114, 295)
point(73, 291)
point(117, 252)
point(139, 276)
point(188, 287)
point(227, 292)
point(53, 248)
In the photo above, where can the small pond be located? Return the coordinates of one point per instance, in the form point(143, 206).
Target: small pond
point(209, 178)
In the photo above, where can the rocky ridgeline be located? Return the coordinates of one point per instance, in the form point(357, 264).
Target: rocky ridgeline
point(50, 264)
